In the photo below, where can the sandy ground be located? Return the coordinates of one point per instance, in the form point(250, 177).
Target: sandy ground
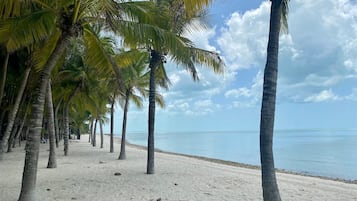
point(88, 174)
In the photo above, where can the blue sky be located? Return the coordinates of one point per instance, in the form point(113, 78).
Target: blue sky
point(317, 84)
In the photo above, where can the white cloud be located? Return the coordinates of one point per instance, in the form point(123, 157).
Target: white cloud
point(325, 95)
point(243, 40)
point(236, 93)
point(318, 53)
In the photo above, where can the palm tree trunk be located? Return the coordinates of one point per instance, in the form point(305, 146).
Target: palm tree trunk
point(18, 134)
point(91, 131)
point(66, 129)
point(3, 78)
point(15, 129)
point(57, 130)
point(28, 188)
point(66, 120)
point(13, 113)
point(112, 125)
point(52, 163)
point(269, 183)
point(122, 155)
point(101, 134)
point(155, 58)
point(94, 135)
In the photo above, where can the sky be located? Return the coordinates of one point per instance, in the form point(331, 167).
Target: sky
point(317, 78)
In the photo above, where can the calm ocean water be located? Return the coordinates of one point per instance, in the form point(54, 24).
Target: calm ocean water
point(329, 153)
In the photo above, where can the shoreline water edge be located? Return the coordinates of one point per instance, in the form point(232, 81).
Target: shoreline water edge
point(243, 165)
point(333, 165)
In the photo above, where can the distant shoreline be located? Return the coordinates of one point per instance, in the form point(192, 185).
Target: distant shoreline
point(238, 164)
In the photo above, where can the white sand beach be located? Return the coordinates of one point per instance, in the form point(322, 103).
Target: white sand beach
point(88, 174)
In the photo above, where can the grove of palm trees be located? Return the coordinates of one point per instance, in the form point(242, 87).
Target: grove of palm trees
point(68, 65)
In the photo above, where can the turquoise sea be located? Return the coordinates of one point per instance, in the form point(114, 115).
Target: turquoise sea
point(328, 153)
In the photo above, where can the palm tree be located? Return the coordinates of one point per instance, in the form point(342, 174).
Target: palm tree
point(279, 10)
point(136, 79)
point(181, 51)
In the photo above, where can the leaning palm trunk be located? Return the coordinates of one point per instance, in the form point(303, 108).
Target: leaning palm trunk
point(13, 113)
point(122, 155)
point(155, 58)
point(18, 134)
point(269, 183)
point(28, 188)
point(3, 78)
point(112, 125)
point(15, 129)
point(57, 130)
point(52, 163)
point(94, 135)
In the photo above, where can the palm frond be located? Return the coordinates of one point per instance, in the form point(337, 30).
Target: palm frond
point(97, 54)
point(160, 100)
point(137, 100)
point(45, 49)
point(12, 8)
point(284, 16)
point(23, 31)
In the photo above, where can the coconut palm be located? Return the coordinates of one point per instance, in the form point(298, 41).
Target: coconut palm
point(278, 14)
point(180, 50)
point(136, 81)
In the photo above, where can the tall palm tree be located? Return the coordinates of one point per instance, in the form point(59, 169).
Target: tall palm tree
point(181, 50)
point(278, 14)
point(136, 82)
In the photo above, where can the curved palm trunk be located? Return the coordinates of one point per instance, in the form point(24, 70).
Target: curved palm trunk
point(155, 58)
point(101, 134)
point(122, 155)
point(94, 135)
point(52, 163)
point(15, 129)
point(269, 184)
point(28, 188)
point(3, 78)
point(13, 113)
point(112, 126)
point(18, 134)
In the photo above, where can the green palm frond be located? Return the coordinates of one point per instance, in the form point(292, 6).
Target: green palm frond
point(41, 55)
point(208, 58)
point(23, 31)
point(137, 100)
point(146, 35)
point(12, 8)
point(284, 15)
point(97, 55)
point(192, 7)
point(161, 78)
point(160, 100)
